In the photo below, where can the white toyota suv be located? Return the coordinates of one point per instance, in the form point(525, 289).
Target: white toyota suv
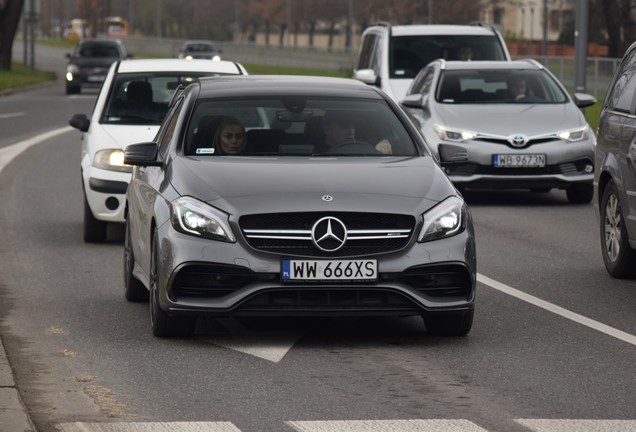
point(391, 56)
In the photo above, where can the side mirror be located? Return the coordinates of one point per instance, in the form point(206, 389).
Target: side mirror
point(413, 101)
point(450, 154)
point(80, 122)
point(583, 100)
point(144, 154)
point(367, 76)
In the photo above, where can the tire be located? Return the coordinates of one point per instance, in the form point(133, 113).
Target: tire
point(73, 90)
point(94, 229)
point(619, 257)
point(449, 323)
point(162, 324)
point(134, 290)
point(580, 194)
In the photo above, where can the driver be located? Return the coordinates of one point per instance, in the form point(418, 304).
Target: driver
point(340, 129)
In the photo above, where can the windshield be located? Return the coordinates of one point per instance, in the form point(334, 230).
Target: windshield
point(97, 49)
point(498, 86)
point(144, 98)
point(409, 54)
point(296, 126)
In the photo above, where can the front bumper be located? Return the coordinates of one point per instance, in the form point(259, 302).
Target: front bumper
point(105, 192)
point(567, 164)
point(203, 277)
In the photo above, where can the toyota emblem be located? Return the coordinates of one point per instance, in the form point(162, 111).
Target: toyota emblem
point(518, 140)
point(329, 234)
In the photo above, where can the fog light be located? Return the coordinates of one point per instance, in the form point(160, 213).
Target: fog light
point(589, 169)
point(112, 203)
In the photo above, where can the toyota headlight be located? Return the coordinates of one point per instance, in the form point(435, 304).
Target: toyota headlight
point(194, 217)
point(456, 135)
point(112, 160)
point(444, 220)
point(573, 135)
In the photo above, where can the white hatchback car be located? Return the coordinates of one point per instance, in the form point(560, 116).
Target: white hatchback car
point(130, 107)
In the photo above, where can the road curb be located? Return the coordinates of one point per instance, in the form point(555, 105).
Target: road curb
point(13, 415)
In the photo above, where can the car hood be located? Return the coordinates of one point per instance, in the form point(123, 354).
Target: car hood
point(119, 136)
point(509, 119)
point(404, 185)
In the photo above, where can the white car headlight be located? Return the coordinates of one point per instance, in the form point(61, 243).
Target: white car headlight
point(455, 135)
point(71, 70)
point(112, 160)
point(216, 58)
point(194, 217)
point(572, 135)
point(444, 220)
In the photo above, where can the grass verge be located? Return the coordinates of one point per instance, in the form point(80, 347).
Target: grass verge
point(20, 76)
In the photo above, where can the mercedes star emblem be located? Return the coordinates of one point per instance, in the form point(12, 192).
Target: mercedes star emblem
point(329, 234)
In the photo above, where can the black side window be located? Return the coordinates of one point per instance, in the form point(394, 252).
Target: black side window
point(170, 124)
point(623, 93)
point(423, 85)
point(367, 52)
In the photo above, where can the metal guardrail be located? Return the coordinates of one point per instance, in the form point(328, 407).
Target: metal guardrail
point(599, 69)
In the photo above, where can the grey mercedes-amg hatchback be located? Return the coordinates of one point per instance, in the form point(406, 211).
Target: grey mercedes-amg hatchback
point(285, 195)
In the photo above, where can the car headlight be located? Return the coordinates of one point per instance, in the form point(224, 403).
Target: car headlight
point(572, 135)
point(216, 58)
point(455, 135)
point(112, 160)
point(71, 70)
point(444, 220)
point(194, 217)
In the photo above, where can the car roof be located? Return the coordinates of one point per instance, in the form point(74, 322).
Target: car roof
point(483, 65)
point(169, 64)
point(440, 29)
point(281, 85)
point(100, 40)
point(198, 41)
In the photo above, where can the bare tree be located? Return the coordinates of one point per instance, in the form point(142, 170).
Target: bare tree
point(10, 11)
point(620, 24)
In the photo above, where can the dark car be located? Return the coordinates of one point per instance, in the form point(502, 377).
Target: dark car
point(515, 120)
point(89, 63)
point(199, 49)
point(294, 224)
point(615, 176)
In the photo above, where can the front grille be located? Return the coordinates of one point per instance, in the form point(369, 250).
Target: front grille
point(290, 234)
point(566, 169)
point(505, 142)
point(308, 299)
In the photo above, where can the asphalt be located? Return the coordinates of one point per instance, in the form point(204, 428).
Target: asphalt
point(13, 414)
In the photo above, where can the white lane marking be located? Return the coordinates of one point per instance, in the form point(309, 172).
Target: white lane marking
point(603, 328)
point(435, 425)
point(8, 153)
point(10, 115)
point(548, 425)
point(270, 346)
point(149, 427)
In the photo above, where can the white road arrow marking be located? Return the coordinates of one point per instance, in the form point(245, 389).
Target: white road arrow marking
point(268, 345)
